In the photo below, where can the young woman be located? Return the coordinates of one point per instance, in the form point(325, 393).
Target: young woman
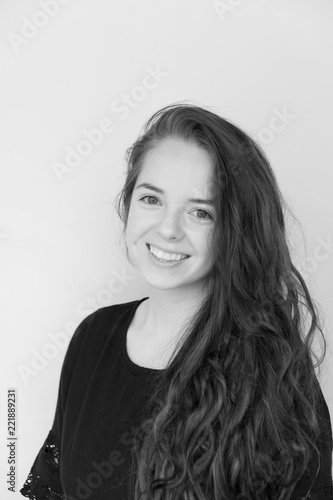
point(206, 389)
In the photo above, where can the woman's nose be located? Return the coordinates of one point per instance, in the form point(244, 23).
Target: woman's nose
point(170, 225)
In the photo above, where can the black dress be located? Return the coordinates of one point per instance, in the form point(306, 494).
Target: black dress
point(101, 402)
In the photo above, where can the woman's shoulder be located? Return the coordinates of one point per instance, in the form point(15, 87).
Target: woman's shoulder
point(114, 312)
point(95, 332)
point(103, 321)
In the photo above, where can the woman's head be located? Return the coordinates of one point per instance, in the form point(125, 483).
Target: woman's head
point(188, 151)
point(235, 411)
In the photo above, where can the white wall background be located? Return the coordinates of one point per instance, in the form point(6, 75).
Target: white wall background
point(69, 70)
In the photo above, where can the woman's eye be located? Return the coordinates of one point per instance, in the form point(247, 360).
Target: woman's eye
point(205, 213)
point(207, 216)
point(148, 197)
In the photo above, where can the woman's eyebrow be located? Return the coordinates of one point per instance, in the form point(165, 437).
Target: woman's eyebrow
point(159, 190)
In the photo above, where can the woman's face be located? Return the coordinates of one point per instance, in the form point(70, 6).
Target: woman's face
point(163, 216)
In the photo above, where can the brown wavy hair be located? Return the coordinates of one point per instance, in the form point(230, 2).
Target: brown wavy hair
point(234, 414)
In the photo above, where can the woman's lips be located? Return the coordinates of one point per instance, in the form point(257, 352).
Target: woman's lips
point(165, 262)
point(166, 251)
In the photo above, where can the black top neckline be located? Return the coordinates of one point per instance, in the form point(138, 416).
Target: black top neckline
point(141, 371)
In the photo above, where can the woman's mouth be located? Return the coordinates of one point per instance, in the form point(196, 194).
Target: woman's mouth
point(165, 258)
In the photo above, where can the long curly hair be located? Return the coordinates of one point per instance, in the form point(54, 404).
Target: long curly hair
point(234, 415)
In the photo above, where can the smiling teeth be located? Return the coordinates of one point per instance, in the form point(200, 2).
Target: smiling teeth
point(166, 256)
